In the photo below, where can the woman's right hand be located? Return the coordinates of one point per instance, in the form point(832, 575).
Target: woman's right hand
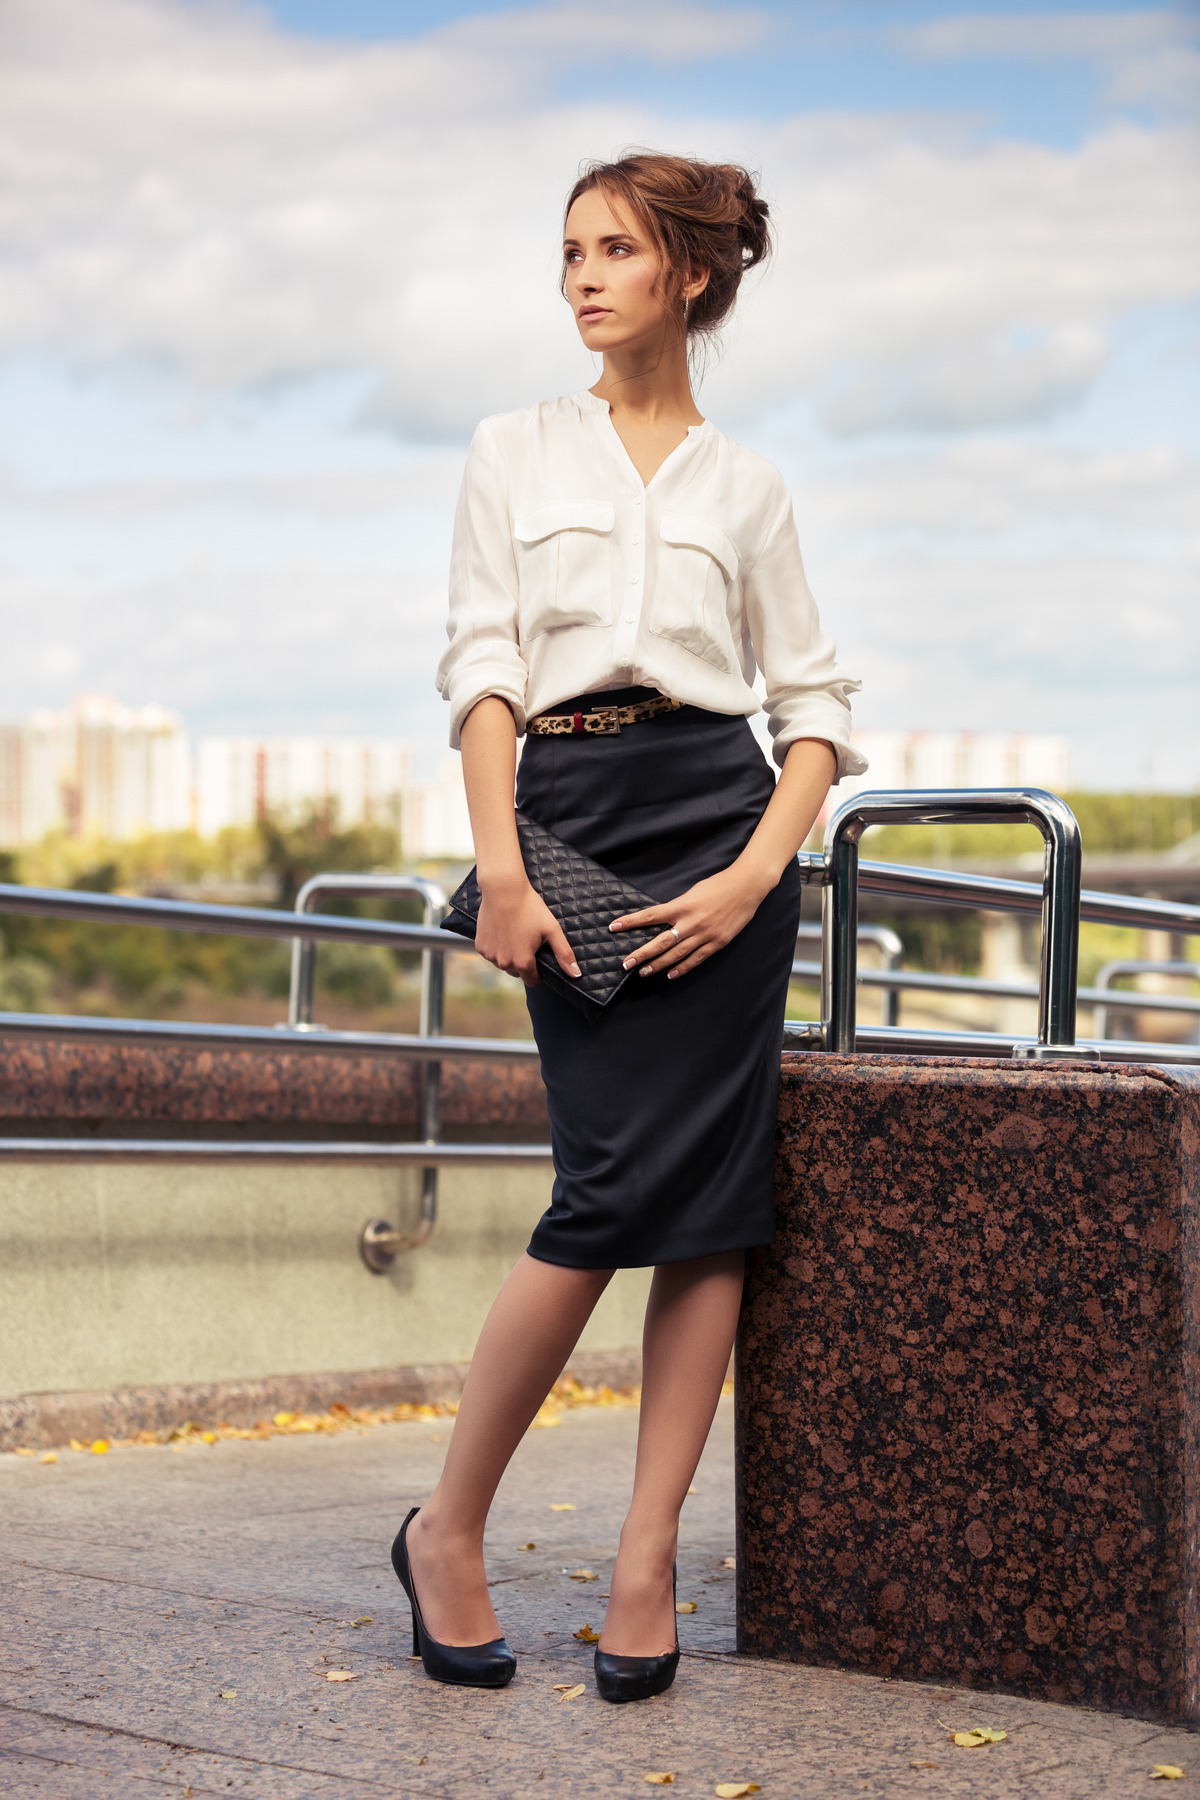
point(514, 922)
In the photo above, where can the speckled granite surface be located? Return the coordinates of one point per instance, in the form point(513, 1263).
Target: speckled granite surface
point(47, 1088)
point(968, 1380)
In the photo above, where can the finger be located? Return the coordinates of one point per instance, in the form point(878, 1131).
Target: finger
point(693, 962)
point(649, 915)
point(563, 952)
point(659, 946)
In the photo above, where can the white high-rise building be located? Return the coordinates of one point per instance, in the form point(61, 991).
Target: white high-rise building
point(435, 823)
point(240, 780)
point(97, 770)
point(958, 759)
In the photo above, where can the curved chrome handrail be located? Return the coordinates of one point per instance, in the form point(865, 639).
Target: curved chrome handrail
point(963, 806)
point(433, 994)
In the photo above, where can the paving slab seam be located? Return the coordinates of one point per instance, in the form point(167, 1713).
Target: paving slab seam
point(150, 1587)
point(182, 1748)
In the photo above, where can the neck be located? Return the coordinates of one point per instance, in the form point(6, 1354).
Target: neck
point(649, 382)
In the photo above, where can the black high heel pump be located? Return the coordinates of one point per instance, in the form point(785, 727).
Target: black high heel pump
point(466, 1665)
point(637, 1677)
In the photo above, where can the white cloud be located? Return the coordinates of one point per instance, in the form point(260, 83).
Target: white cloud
point(997, 492)
point(186, 183)
point(1046, 34)
point(1148, 55)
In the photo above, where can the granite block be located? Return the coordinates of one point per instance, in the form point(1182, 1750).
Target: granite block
point(968, 1385)
point(47, 1088)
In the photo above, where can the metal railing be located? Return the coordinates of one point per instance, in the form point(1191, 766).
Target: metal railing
point(1059, 906)
point(983, 987)
point(1106, 1000)
point(890, 948)
point(380, 1241)
point(839, 872)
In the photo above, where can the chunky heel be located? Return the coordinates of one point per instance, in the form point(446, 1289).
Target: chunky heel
point(620, 1678)
point(464, 1665)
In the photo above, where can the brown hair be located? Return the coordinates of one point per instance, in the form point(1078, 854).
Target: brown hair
point(699, 215)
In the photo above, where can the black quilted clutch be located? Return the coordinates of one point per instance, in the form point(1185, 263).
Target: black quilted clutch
point(585, 898)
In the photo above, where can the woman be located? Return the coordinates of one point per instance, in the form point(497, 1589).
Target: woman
point(614, 550)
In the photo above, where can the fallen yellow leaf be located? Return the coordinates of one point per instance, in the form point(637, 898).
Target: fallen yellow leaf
point(229, 1693)
point(734, 1790)
point(100, 1447)
point(561, 1506)
point(691, 1490)
point(729, 1562)
point(585, 1575)
point(685, 1606)
point(1167, 1772)
point(365, 1620)
point(665, 1779)
point(210, 1437)
point(21, 1452)
point(340, 1675)
point(284, 1418)
point(976, 1737)
point(49, 1456)
point(560, 1687)
point(526, 1546)
point(76, 1445)
point(571, 1693)
point(586, 1635)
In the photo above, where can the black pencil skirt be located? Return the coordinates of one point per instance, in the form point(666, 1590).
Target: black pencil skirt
point(662, 1113)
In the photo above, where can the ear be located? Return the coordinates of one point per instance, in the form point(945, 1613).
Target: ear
point(696, 283)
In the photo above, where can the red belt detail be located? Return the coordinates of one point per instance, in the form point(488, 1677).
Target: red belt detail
point(577, 727)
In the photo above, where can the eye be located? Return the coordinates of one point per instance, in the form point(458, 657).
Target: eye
point(620, 250)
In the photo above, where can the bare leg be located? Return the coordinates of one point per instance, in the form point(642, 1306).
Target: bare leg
point(690, 1324)
point(533, 1326)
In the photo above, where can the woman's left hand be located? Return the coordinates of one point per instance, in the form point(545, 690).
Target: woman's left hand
point(706, 918)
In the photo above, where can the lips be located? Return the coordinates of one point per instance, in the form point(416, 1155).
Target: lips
point(593, 312)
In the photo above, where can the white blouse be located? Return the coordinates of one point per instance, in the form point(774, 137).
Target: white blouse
point(568, 576)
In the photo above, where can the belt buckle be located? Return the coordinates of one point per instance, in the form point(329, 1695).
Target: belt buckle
point(613, 726)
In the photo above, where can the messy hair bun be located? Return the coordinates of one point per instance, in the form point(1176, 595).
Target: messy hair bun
point(700, 215)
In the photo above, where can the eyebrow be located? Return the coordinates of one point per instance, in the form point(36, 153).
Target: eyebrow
point(615, 237)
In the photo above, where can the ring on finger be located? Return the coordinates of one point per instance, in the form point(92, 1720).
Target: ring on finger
point(674, 934)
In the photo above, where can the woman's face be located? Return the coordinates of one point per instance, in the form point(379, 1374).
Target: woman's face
point(611, 275)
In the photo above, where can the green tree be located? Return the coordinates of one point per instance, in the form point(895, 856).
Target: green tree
point(295, 850)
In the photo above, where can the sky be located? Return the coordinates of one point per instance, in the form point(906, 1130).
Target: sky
point(263, 267)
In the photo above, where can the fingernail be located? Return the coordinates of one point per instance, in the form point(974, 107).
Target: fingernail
point(628, 963)
point(649, 969)
point(575, 969)
point(671, 974)
point(615, 926)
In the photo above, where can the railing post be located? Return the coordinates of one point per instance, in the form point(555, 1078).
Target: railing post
point(1060, 899)
point(380, 1241)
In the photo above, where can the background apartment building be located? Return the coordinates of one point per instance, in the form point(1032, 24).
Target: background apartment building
point(98, 769)
point(958, 759)
point(108, 771)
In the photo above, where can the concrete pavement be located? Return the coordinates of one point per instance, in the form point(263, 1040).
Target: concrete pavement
point(171, 1618)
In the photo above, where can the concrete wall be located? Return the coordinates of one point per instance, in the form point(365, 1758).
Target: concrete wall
point(118, 1275)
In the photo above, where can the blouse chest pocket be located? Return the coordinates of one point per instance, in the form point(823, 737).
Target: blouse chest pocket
point(697, 567)
point(563, 565)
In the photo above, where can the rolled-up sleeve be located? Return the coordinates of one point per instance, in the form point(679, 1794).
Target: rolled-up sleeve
point(483, 656)
point(807, 693)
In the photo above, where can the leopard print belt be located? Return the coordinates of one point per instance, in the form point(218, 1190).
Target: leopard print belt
point(607, 720)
